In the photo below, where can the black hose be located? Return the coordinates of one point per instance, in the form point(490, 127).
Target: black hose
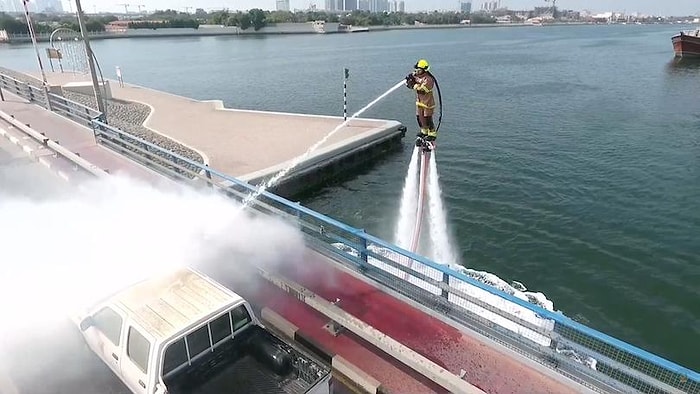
point(439, 99)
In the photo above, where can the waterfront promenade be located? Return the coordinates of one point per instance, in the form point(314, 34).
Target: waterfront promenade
point(481, 361)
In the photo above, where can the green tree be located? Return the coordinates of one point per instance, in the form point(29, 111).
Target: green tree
point(244, 21)
point(257, 18)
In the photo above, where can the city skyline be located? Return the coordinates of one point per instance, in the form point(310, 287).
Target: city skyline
point(648, 7)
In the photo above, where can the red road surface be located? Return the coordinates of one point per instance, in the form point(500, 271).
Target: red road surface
point(486, 368)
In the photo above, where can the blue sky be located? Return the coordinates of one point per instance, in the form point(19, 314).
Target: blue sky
point(656, 7)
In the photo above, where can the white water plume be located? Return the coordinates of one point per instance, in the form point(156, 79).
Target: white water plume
point(295, 162)
point(442, 250)
point(407, 211)
point(60, 255)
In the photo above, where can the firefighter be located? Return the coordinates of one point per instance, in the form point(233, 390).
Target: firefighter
point(423, 82)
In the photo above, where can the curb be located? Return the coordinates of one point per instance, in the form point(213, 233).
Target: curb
point(31, 152)
point(341, 369)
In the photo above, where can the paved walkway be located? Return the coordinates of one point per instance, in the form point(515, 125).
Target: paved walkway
point(77, 138)
point(244, 144)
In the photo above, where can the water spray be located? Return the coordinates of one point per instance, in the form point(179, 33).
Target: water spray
point(272, 181)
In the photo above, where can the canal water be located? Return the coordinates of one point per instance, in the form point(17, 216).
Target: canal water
point(569, 157)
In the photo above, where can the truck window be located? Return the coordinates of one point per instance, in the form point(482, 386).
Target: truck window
point(109, 323)
point(220, 328)
point(240, 317)
point(175, 356)
point(198, 341)
point(138, 349)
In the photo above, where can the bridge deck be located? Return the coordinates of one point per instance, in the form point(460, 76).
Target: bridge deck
point(486, 366)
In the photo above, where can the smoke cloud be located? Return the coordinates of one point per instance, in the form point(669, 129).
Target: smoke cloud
point(61, 253)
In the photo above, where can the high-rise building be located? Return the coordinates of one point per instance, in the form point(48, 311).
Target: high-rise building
point(342, 5)
point(379, 5)
point(465, 7)
point(397, 6)
point(363, 5)
point(282, 5)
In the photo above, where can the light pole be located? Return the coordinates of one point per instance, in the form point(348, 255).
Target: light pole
point(38, 58)
point(91, 61)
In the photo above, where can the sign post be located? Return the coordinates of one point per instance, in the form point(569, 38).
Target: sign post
point(38, 58)
point(346, 75)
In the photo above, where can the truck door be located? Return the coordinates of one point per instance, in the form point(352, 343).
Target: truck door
point(135, 362)
point(104, 337)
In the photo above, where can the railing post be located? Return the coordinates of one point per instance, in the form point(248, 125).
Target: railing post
point(446, 281)
point(2, 96)
point(29, 89)
point(207, 173)
point(93, 123)
point(363, 248)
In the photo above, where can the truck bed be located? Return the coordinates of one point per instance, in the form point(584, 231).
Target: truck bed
point(255, 362)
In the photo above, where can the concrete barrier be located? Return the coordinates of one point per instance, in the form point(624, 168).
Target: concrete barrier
point(48, 143)
point(343, 370)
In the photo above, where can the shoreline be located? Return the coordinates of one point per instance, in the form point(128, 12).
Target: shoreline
point(232, 31)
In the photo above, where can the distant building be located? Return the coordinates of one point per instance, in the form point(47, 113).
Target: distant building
point(283, 5)
point(465, 7)
point(397, 6)
point(379, 5)
point(342, 5)
point(491, 6)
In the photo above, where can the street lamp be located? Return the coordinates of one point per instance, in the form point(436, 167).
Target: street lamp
point(38, 58)
point(91, 61)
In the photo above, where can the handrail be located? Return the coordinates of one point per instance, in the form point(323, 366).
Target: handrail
point(630, 372)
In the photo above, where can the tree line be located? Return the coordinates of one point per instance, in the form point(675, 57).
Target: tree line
point(44, 23)
point(255, 18)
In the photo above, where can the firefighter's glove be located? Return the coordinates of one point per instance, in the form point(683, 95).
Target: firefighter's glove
point(410, 81)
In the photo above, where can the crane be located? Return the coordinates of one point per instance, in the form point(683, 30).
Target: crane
point(140, 6)
point(554, 7)
point(126, 7)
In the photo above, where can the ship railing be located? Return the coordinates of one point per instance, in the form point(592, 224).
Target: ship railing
point(588, 356)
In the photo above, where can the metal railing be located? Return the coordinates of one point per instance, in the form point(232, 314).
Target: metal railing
point(597, 360)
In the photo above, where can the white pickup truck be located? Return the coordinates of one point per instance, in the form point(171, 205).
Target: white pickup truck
point(185, 333)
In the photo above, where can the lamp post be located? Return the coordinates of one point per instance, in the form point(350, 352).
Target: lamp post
point(38, 58)
point(91, 61)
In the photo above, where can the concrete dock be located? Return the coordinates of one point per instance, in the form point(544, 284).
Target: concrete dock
point(252, 145)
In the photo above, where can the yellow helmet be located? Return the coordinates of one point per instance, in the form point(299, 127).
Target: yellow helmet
point(422, 64)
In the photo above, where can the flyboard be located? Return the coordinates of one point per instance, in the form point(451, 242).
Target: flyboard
point(426, 149)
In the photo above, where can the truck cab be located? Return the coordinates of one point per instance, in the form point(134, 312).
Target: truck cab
point(183, 332)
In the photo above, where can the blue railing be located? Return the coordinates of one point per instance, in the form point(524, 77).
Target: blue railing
point(588, 356)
